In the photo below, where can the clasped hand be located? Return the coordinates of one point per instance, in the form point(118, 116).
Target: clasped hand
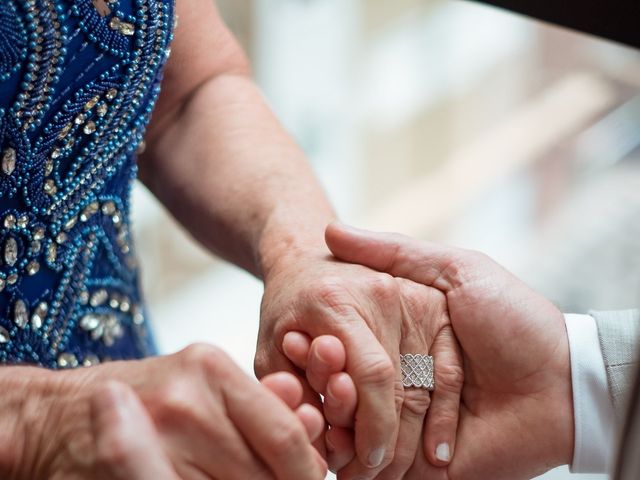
point(190, 415)
point(502, 407)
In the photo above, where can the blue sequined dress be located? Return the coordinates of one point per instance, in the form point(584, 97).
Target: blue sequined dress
point(78, 82)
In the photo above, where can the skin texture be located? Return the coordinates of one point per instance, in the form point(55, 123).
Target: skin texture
point(225, 168)
point(516, 418)
point(158, 418)
point(405, 317)
point(202, 166)
point(222, 164)
point(422, 325)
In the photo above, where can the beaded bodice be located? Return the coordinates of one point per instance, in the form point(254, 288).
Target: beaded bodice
point(78, 81)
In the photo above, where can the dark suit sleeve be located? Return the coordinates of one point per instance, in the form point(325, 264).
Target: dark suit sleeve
point(617, 20)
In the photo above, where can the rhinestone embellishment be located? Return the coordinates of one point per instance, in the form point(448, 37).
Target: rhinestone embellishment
point(20, 314)
point(4, 335)
point(38, 315)
point(11, 251)
point(67, 360)
point(8, 161)
point(71, 125)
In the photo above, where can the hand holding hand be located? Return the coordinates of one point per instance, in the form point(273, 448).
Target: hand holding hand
point(191, 415)
point(424, 328)
point(516, 417)
point(376, 317)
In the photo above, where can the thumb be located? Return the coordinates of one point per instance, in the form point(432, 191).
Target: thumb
point(124, 433)
point(395, 254)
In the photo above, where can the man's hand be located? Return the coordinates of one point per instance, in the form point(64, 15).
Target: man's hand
point(191, 415)
point(376, 317)
point(516, 418)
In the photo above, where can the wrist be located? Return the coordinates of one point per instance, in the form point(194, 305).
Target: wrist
point(286, 244)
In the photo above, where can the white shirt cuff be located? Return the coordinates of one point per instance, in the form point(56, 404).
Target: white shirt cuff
point(594, 418)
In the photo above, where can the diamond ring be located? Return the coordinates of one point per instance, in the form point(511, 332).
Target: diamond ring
point(417, 370)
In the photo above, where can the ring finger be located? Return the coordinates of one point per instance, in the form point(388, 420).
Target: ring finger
point(412, 415)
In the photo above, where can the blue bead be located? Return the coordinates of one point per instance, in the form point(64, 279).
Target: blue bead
point(92, 167)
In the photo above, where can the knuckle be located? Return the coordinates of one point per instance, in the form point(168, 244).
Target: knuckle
point(384, 288)
point(416, 403)
point(458, 272)
point(377, 372)
point(287, 438)
point(173, 405)
point(464, 267)
point(450, 378)
point(202, 356)
point(328, 291)
point(446, 418)
point(471, 262)
point(422, 302)
point(197, 352)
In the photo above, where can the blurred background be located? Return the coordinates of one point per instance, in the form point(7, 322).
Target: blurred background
point(442, 119)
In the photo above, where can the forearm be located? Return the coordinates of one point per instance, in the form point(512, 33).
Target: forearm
point(235, 179)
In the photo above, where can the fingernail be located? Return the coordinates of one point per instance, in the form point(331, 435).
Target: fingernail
point(442, 452)
point(321, 357)
point(334, 399)
point(376, 457)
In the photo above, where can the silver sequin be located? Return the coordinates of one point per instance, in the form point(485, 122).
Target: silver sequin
point(11, 251)
point(38, 315)
point(8, 161)
point(89, 322)
point(67, 360)
point(90, 360)
point(4, 335)
point(98, 297)
point(20, 314)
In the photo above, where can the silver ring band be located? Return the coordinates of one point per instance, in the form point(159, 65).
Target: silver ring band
point(417, 371)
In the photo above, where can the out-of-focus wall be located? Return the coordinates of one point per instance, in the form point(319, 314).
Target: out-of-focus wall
point(442, 119)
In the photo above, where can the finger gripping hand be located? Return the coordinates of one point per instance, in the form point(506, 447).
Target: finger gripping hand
point(124, 434)
point(351, 303)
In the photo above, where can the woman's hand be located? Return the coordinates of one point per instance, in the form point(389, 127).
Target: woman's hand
point(516, 418)
point(191, 415)
point(407, 317)
point(429, 421)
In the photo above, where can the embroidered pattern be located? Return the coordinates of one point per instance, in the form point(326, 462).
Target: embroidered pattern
point(78, 82)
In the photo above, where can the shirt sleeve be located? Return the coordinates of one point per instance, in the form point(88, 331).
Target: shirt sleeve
point(594, 419)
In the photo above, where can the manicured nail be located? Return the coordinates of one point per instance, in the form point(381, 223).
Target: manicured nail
point(376, 457)
point(442, 452)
